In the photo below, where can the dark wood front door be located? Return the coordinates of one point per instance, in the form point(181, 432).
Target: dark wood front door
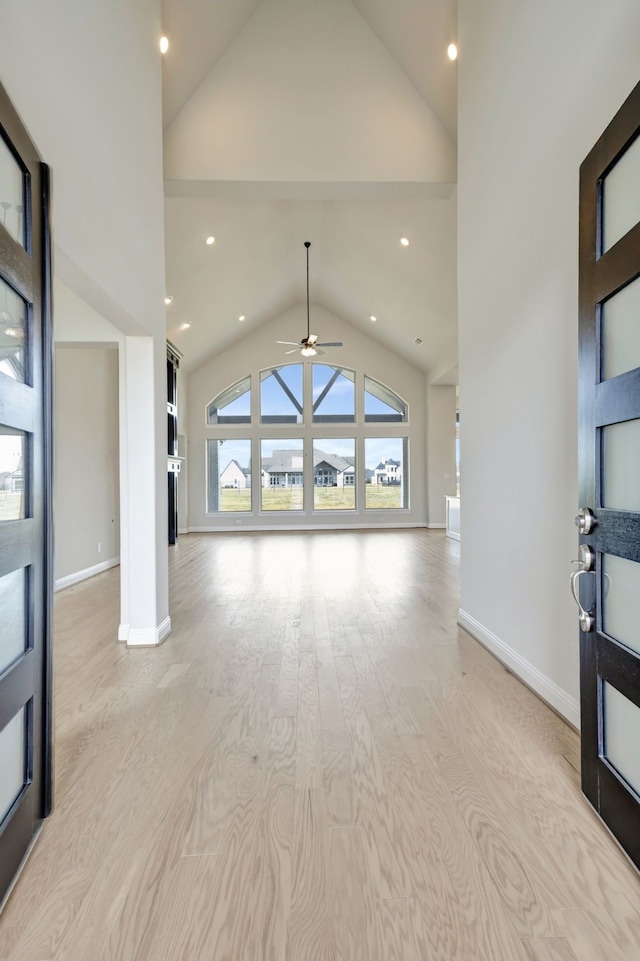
point(608, 580)
point(25, 492)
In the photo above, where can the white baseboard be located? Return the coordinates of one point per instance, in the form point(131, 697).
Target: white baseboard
point(453, 535)
point(144, 636)
point(70, 579)
point(435, 527)
point(183, 530)
point(568, 707)
point(253, 529)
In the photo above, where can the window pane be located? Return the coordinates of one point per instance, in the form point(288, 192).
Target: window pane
point(620, 587)
point(334, 475)
point(11, 194)
point(621, 331)
point(333, 395)
point(620, 465)
point(621, 735)
point(13, 331)
point(385, 474)
point(381, 405)
point(233, 405)
point(281, 395)
point(621, 197)
point(13, 761)
point(282, 475)
point(12, 478)
point(13, 634)
point(229, 475)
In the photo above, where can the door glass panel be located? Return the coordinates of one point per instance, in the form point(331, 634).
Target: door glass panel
point(229, 475)
point(621, 331)
point(621, 197)
point(620, 590)
point(334, 474)
point(11, 194)
point(333, 395)
point(13, 332)
point(385, 473)
point(282, 475)
point(13, 634)
point(281, 395)
point(622, 735)
point(621, 466)
point(12, 761)
point(12, 476)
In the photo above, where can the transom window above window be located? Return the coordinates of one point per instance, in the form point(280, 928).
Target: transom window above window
point(281, 395)
point(233, 405)
point(382, 405)
point(333, 395)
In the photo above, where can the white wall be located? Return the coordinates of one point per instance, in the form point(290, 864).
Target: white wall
point(441, 450)
point(85, 78)
point(301, 77)
point(258, 351)
point(86, 509)
point(538, 82)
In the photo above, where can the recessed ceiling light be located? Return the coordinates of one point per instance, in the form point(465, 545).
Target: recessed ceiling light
point(211, 240)
point(404, 241)
point(241, 318)
point(373, 318)
point(164, 44)
point(452, 51)
point(168, 299)
point(186, 325)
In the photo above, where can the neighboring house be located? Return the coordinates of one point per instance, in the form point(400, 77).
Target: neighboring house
point(329, 470)
point(388, 472)
point(285, 469)
point(12, 482)
point(236, 476)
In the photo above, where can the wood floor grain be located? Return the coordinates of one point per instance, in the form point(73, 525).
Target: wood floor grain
point(317, 765)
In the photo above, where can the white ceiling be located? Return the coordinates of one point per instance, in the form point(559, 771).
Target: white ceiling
point(371, 160)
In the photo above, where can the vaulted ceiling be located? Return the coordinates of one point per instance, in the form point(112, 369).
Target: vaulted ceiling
point(331, 121)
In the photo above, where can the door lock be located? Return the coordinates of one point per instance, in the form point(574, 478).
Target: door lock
point(585, 520)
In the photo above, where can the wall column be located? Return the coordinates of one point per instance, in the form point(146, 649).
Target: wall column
point(441, 451)
point(144, 605)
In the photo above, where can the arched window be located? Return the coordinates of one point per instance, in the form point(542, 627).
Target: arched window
point(233, 405)
point(312, 448)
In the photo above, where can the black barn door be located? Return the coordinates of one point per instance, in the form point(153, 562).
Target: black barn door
point(607, 581)
point(25, 490)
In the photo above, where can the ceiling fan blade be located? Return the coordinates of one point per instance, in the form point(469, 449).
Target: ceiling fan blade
point(287, 343)
point(335, 343)
point(294, 351)
point(312, 338)
point(318, 352)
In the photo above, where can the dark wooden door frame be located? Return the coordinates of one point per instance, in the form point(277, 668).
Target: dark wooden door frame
point(25, 269)
point(602, 274)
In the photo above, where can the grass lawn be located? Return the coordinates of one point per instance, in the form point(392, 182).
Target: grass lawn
point(377, 497)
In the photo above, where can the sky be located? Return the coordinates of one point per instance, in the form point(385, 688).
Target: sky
point(339, 400)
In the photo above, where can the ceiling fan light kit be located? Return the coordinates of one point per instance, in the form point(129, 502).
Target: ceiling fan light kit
point(308, 346)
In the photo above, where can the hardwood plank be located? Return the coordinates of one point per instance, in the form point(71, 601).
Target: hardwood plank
point(413, 801)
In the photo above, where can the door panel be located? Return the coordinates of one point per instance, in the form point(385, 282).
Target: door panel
point(609, 461)
point(25, 493)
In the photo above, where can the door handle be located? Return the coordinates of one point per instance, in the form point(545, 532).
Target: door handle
point(586, 620)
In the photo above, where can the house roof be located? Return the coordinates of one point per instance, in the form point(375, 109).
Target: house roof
point(384, 463)
point(281, 461)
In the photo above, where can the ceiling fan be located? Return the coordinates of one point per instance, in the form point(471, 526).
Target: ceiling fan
point(309, 345)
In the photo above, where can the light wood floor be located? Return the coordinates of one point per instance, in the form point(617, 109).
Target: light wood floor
point(317, 764)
